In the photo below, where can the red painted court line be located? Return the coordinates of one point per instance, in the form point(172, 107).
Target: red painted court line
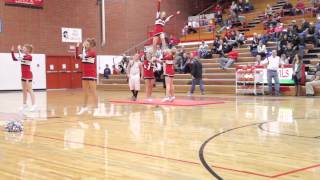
point(242, 171)
point(156, 156)
point(296, 171)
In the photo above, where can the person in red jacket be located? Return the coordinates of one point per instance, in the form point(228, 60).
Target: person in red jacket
point(89, 73)
point(227, 62)
point(168, 66)
point(26, 75)
point(300, 7)
point(158, 31)
point(217, 9)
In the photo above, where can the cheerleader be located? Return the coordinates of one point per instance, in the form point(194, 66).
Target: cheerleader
point(168, 66)
point(148, 72)
point(158, 31)
point(135, 73)
point(26, 79)
point(89, 73)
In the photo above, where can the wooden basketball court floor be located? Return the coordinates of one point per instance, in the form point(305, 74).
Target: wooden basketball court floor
point(244, 138)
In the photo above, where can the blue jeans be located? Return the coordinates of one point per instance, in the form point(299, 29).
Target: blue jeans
point(194, 83)
point(301, 50)
point(226, 62)
point(273, 74)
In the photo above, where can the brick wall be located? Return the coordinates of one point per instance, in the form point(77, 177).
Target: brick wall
point(127, 22)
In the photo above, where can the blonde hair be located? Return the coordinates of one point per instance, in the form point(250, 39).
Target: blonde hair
point(92, 42)
point(29, 47)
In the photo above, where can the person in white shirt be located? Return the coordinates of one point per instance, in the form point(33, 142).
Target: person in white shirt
point(262, 52)
point(273, 62)
point(203, 50)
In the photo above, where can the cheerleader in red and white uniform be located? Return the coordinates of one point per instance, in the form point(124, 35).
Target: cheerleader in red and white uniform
point(26, 59)
point(89, 73)
point(168, 66)
point(160, 23)
point(148, 72)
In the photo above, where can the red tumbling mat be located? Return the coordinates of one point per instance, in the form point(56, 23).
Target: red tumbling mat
point(177, 102)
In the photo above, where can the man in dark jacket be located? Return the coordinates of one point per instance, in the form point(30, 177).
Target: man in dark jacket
point(196, 73)
point(107, 72)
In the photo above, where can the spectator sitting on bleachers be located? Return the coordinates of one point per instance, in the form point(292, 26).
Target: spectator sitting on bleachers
point(254, 45)
point(283, 42)
point(217, 47)
point(293, 26)
point(316, 8)
point(290, 53)
point(312, 36)
point(226, 48)
point(272, 20)
point(203, 50)
point(317, 37)
point(173, 41)
point(227, 62)
point(262, 50)
point(278, 30)
point(314, 83)
point(234, 11)
point(248, 6)
point(300, 7)
point(184, 30)
point(203, 21)
point(217, 9)
point(268, 11)
point(115, 70)
point(287, 9)
point(159, 53)
point(304, 24)
point(191, 27)
point(241, 5)
point(181, 59)
point(240, 38)
point(219, 19)
point(270, 34)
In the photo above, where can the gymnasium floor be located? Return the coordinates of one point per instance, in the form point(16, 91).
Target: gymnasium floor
point(244, 138)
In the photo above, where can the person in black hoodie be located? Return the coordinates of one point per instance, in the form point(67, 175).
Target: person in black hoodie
point(196, 73)
point(287, 9)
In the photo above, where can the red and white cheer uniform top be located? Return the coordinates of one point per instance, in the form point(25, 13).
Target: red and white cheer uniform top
point(89, 67)
point(168, 65)
point(26, 61)
point(148, 72)
point(160, 22)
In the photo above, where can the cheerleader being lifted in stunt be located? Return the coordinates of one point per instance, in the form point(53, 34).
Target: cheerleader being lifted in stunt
point(158, 31)
point(26, 59)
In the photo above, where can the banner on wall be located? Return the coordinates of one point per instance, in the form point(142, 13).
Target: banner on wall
point(285, 75)
point(71, 35)
point(25, 3)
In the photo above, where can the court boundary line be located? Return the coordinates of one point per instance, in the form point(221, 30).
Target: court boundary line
point(286, 134)
point(204, 144)
point(218, 177)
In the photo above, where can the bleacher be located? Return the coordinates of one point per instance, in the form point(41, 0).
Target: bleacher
point(218, 81)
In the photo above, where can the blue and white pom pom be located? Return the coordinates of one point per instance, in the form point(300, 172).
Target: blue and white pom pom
point(14, 126)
